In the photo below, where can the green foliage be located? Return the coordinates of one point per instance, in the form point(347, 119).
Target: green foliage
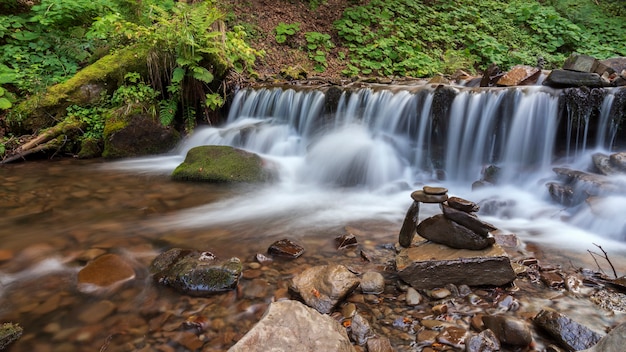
point(94, 118)
point(284, 30)
point(419, 38)
point(317, 45)
point(134, 95)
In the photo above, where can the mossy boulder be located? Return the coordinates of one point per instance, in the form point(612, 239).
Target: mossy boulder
point(221, 164)
point(84, 88)
point(137, 135)
point(9, 333)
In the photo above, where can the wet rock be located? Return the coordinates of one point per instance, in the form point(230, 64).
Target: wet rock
point(379, 344)
point(407, 231)
point(562, 194)
point(581, 63)
point(441, 230)
point(285, 248)
point(486, 341)
point(106, 271)
point(262, 258)
point(360, 329)
point(139, 135)
point(520, 75)
point(603, 164)
point(9, 333)
point(196, 273)
point(618, 160)
point(322, 287)
point(5, 255)
point(452, 336)
point(491, 76)
point(565, 331)
point(421, 196)
point(289, 324)
point(221, 164)
point(593, 184)
point(614, 341)
point(463, 204)
point(509, 330)
point(96, 312)
point(564, 79)
point(345, 241)
point(437, 191)
point(433, 265)
point(468, 220)
point(552, 279)
point(372, 283)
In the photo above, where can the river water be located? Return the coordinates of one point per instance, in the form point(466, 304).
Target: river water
point(58, 214)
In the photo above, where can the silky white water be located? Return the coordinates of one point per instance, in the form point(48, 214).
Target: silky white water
point(361, 160)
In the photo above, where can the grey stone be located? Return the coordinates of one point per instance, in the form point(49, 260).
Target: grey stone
point(603, 164)
point(433, 265)
point(468, 220)
point(614, 341)
point(413, 297)
point(618, 160)
point(288, 325)
point(486, 341)
point(322, 287)
point(372, 283)
point(439, 229)
point(360, 329)
point(565, 331)
point(509, 330)
point(564, 79)
point(379, 344)
point(581, 63)
point(407, 232)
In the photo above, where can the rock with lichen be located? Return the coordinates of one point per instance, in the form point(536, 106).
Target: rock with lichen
point(9, 333)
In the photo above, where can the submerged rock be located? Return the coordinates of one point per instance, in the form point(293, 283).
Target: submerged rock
point(196, 273)
point(106, 271)
point(322, 287)
point(290, 325)
point(221, 164)
point(433, 265)
point(565, 331)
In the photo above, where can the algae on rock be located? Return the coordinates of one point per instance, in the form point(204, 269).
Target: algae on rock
point(221, 164)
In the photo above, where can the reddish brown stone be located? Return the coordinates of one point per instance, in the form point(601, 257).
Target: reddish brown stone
point(104, 271)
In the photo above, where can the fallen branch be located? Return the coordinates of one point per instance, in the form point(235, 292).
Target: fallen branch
point(50, 145)
point(605, 256)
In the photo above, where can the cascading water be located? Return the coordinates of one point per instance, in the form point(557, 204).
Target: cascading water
point(363, 156)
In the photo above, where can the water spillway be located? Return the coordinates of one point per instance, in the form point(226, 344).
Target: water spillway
point(372, 145)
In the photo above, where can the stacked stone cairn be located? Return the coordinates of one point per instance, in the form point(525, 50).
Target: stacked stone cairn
point(458, 248)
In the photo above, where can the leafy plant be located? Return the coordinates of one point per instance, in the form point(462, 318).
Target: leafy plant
point(284, 30)
point(317, 44)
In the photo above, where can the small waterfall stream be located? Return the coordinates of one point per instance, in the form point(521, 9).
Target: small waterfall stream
point(362, 156)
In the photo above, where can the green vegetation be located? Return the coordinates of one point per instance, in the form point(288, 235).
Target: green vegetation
point(420, 38)
point(284, 31)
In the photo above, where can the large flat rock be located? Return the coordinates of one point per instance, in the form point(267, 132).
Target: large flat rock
point(431, 265)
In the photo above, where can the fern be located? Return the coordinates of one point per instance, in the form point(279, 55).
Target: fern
point(167, 111)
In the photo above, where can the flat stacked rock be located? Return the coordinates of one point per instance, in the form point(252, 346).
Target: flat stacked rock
point(460, 248)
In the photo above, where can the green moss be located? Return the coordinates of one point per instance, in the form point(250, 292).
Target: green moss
point(9, 332)
point(137, 135)
point(220, 164)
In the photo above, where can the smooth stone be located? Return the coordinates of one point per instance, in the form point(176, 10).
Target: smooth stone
point(409, 225)
point(603, 164)
point(372, 282)
point(565, 331)
point(105, 271)
point(581, 63)
point(434, 265)
point(289, 324)
point(379, 344)
point(323, 286)
point(440, 229)
point(439, 293)
point(463, 205)
point(413, 297)
point(564, 79)
point(285, 248)
point(471, 222)
point(421, 196)
point(96, 312)
point(618, 160)
point(435, 191)
point(614, 341)
point(509, 330)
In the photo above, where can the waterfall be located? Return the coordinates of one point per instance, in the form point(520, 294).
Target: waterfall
point(358, 153)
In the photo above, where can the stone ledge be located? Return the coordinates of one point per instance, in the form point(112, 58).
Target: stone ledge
point(431, 265)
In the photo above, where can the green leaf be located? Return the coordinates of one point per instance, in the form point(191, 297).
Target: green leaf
point(25, 35)
point(178, 75)
point(5, 103)
point(202, 74)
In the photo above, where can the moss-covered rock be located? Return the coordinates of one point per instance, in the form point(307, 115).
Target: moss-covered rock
point(90, 148)
point(85, 87)
point(221, 164)
point(137, 135)
point(9, 332)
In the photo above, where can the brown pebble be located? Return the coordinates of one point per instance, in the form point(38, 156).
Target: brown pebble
point(251, 274)
point(440, 309)
point(96, 312)
point(5, 255)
